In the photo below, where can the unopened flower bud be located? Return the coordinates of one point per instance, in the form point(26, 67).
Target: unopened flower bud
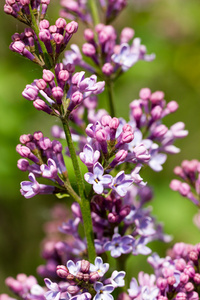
point(88, 49)
point(62, 271)
point(85, 266)
point(73, 289)
point(145, 93)
point(94, 276)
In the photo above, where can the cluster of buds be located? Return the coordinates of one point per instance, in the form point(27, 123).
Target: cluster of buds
point(62, 92)
point(77, 9)
point(23, 9)
point(146, 116)
point(25, 287)
point(176, 276)
point(47, 162)
point(84, 280)
point(54, 38)
point(189, 172)
point(113, 58)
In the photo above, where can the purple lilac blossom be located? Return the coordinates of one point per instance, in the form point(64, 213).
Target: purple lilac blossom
point(97, 179)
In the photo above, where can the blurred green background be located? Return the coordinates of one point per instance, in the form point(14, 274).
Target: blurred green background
point(170, 29)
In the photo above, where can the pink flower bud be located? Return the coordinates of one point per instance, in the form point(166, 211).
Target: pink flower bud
point(184, 278)
point(94, 276)
point(39, 104)
point(48, 76)
point(181, 296)
point(156, 112)
point(194, 255)
point(171, 280)
point(101, 135)
point(121, 155)
point(88, 34)
point(23, 164)
point(172, 106)
point(114, 123)
point(145, 93)
point(41, 84)
point(71, 27)
point(73, 289)
point(105, 120)
point(161, 283)
point(107, 69)
point(45, 35)
point(85, 266)
point(61, 23)
point(44, 24)
point(25, 138)
point(160, 131)
point(38, 135)
point(88, 49)
point(77, 97)
point(197, 278)
point(126, 35)
point(175, 184)
point(62, 271)
point(157, 97)
point(57, 93)
point(63, 75)
point(113, 217)
point(58, 38)
point(189, 287)
point(184, 189)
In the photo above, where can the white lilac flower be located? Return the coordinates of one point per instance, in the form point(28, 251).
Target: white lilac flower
point(117, 278)
point(103, 291)
point(73, 268)
point(97, 179)
point(99, 266)
point(54, 292)
point(89, 157)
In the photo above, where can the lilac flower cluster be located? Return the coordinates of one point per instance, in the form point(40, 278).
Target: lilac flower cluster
point(111, 218)
point(25, 287)
point(84, 280)
point(189, 172)
point(20, 9)
point(47, 162)
point(63, 92)
point(106, 54)
point(137, 229)
point(53, 38)
point(176, 276)
point(77, 9)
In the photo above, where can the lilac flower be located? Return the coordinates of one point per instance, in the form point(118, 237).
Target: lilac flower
point(117, 278)
point(125, 58)
point(103, 291)
point(31, 188)
point(119, 245)
point(139, 246)
point(134, 290)
point(145, 226)
point(97, 178)
point(73, 268)
point(99, 266)
point(55, 291)
point(149, 294)
point(89, 157)
point(121, 183)
point(82, 296)
point(50, 170)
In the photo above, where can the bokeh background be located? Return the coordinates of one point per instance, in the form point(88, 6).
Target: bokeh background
point(170, 29)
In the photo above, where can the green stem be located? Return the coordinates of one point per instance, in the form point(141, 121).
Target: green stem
point(84, 203)
point(111, 98)
point(94, 11)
